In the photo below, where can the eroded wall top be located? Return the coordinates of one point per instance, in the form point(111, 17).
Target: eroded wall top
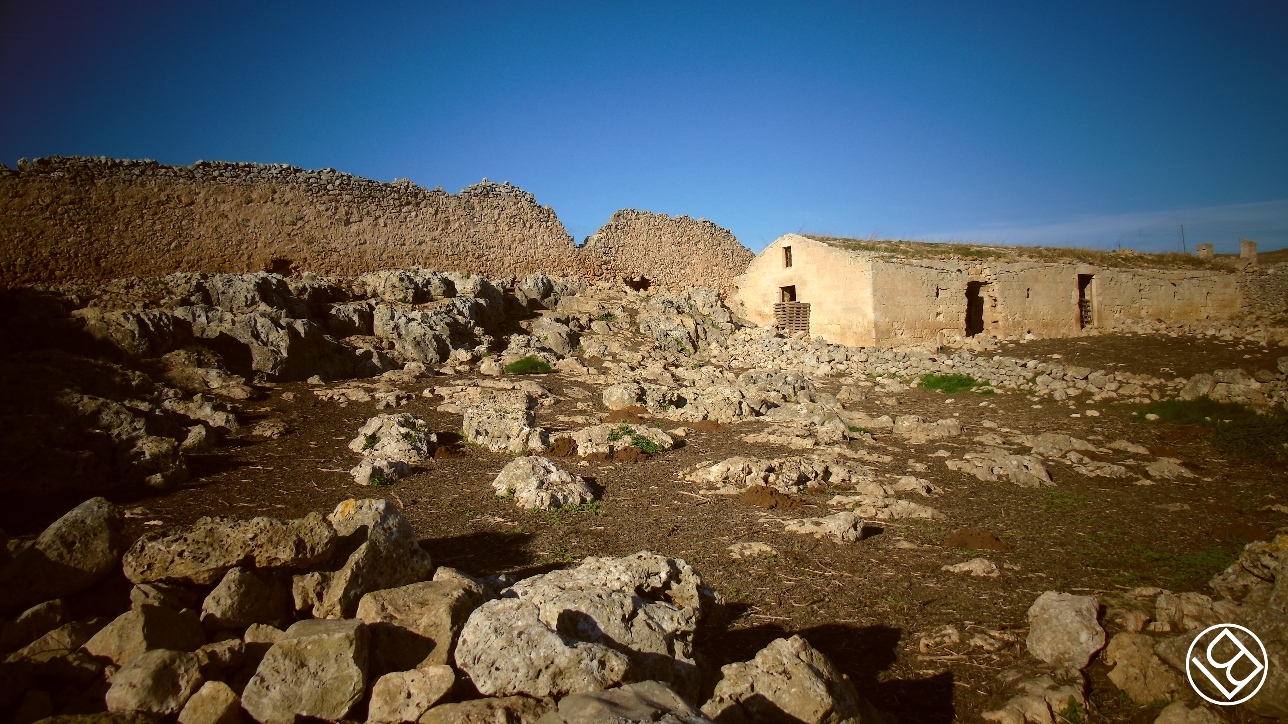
point(77, 218)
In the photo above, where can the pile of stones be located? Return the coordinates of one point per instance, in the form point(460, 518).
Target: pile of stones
point(345, 617)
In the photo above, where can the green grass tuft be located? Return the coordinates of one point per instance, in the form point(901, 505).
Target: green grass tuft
point(637, 439)
point(528, 366)
point(950, 384)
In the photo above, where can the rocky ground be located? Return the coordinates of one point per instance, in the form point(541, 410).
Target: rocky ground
point(812, 515)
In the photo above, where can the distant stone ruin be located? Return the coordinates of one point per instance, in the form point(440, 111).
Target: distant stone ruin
point(77, 218)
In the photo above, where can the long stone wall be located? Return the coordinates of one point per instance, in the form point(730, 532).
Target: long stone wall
point(1265, 292)
point(77, 218)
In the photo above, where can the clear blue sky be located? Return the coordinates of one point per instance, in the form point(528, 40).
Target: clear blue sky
point(1024, 122)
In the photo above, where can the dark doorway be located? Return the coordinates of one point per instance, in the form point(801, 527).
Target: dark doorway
point(1086, 315)
point(278, 265)
point(974, 308)
point(788, 294)
point(639, 284)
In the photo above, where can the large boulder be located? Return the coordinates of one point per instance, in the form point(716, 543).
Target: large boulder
point(207, 550)
point(72, 554)
point(400, 436)
point(788, 680)
point(145, 629)
point(385, 554)
point(647, 701)
point(318, 669)
point(611, 438)
point(1138, 671)
point(214, 703)
point(536, 482)
point(1063, 629)
point(417, 625)
point(502, 427)
point(244, 597)
point(606, 622)
point(157, 682)
point(405, 696)
point(554, 336)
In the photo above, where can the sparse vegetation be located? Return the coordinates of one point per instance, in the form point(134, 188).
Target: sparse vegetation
point(637, 439)
point(530, 365)
point(1235, 429)
point(950, 384)
point(369, 442)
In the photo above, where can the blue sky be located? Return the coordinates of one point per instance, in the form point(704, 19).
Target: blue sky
point(1020, 122)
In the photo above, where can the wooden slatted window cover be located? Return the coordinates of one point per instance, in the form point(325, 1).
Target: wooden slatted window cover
point(792, 316)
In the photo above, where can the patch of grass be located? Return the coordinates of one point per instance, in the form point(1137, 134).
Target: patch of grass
point(380, 481)
point(637, 439)
point(528, 366)
point(1236, 429)
point(558, 555)
point(509, 495)
point(606, 317)
point(950, 384)
point(860, 430)
point(370, 441)
point(1202, 563)
point(1073, 712)
point(565, 514)
point(1057, 499)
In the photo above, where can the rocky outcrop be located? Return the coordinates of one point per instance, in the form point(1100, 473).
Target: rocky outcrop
point(537, 483)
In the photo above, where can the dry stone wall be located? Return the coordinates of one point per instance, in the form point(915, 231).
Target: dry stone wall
point(698, 253)
point(78, 218)
point(1265, 292)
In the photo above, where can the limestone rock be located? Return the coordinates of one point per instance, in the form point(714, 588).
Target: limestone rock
point(214, 703)
point(145, 629)
point(993, 464)
point(405, 696)
point(1040, 700)
point(978, 567)
point(1178, 713)
point(33, 623)
point(378, 470)
point(787, 680)
point(622, 396)
point(536, 482)
point(1063, 629)
point(158, 682)
point(68, 637)
point(916, 429)
point(402, 437)
point(72, 554)
point(204, 552)
point(385, 554)
point(417, 625)
point(1138, 671)
point(844, 527)
point(606, 622)
point(502, 428)
point(318, 669)
point(646, 701)
point(244, 597)
point(509, 709)
point(611, 438)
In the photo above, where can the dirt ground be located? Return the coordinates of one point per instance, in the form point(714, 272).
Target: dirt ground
point(866, 605)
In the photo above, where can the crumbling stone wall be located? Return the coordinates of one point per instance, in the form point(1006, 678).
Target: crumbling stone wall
point(1265, 292)
point(697, 253)
point(77, 218)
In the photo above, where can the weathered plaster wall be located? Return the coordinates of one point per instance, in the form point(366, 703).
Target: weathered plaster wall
point(1170, 296)
point(836, 283)
point(864, 298)
point(78, 218)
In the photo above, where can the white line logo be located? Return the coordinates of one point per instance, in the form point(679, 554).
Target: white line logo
point(1230, 664)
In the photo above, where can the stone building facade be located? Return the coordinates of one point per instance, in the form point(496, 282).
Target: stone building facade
point(77, 218)
point(862, 298)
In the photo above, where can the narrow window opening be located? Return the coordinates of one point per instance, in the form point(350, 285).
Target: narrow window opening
point(787, 294)
point(974, 309)
point(936, 292)
point(1026, 293)
point(787, 256)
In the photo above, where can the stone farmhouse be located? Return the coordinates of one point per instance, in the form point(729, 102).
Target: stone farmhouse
point(861, 297)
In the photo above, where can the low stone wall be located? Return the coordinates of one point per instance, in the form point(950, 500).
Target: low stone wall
point(1266, 291)
point(77, 218)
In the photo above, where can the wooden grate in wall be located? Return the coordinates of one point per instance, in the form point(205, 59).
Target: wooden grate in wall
point(792, 316)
